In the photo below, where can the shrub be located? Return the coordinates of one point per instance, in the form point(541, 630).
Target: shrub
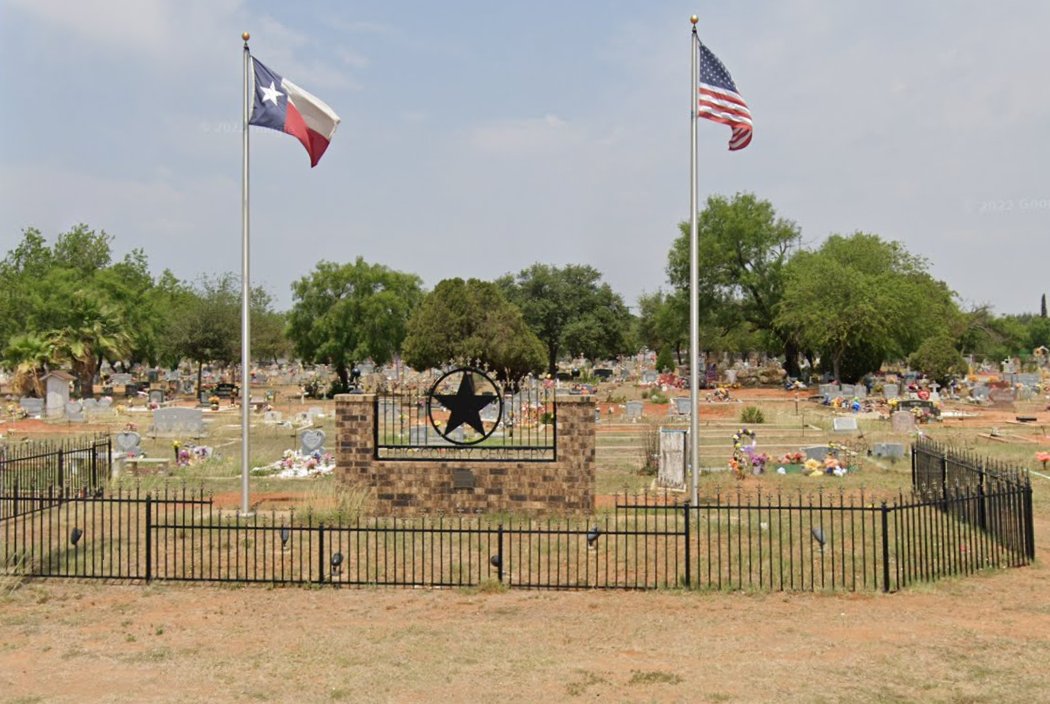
point(658, 397)
point(752, 414)
point(665, 360)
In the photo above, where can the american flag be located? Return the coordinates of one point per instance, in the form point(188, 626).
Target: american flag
point(719, 100)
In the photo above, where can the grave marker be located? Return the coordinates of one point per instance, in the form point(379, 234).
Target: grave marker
point(902, 422)
point(844, 424)
point(178, 421)
point(128, 443)
point(672, 464)
point(311, 441)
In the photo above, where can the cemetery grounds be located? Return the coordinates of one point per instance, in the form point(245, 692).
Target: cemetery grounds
point(983, 638)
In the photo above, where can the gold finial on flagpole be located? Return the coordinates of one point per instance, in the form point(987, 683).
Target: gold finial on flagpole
point(694, 19)
point(245, 36)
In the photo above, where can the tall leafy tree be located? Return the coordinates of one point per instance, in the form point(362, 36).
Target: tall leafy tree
point(345, 313)
point(860, 300)
point(743, 249)
point(205, 323)
point(472, 320)
point(571, 310)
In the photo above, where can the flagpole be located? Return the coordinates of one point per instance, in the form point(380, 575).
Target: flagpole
point(694, 303)
point(246, 378)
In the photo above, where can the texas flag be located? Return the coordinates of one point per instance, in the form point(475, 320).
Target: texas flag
point(283, 106)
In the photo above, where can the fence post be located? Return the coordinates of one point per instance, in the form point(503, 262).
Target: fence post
point(94, 466)
point(885, 547)
point(499, 553)
point(980, 502)
point(149, 537)
point(688, 568)
point(61, 471)
point(944, 477)
point(14, 503)
point(914, 460)
point(320, 553)
point(1029, 527)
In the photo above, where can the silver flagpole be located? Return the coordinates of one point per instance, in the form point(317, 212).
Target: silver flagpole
point(694, 303)
point(246, 377)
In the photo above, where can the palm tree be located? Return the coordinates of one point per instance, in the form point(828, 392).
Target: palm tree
point(98, 335)
point(29, 356)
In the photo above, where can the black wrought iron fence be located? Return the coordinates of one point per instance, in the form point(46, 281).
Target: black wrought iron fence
point(32, 468)
point(729, 542)
point(1000, 500)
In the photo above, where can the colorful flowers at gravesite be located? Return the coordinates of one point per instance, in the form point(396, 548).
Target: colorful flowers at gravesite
point(297, 464)
point(745, 459)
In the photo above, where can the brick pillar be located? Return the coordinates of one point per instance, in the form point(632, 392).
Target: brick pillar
point(355, 437)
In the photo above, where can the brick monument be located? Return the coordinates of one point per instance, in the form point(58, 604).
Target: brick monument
point(405, 487)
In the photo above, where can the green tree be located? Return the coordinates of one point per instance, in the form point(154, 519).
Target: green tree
point(570, 309)
point(29, 355)
point(204, 323)
point(743, 249)
point(938, 359)
point(472, 320)
point(346, 313)
point(862, 299)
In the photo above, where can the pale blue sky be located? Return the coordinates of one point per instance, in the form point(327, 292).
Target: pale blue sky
point(480, 137)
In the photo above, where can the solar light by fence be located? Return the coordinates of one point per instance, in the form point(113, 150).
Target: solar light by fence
point(285, 535)
point(592, 537)
point(818, 535)
point(495, 561)
point(75, 535)
point(337, 563)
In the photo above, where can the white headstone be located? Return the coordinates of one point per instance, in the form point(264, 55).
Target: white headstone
point(634, 410)
point(890, 391)
point(671, 468)
point(844, 424)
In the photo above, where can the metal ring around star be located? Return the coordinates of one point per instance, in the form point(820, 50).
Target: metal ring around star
point(465, 405)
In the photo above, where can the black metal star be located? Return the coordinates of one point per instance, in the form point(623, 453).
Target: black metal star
point(465, 405)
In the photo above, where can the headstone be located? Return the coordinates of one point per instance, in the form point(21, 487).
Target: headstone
point(860, 392)
point(816, 452)
point(57, 387)
point(650, 377)
point(847, 391)
point(104, 403)
point(74, 412)
point(156, 396)
point(902, 422)
point(128, 443)
point(830, 390)
point(682, 405)
point(979, 392)
point(844, 424)
point(90, 404)
point(32, 406)
point(315, 412)
point(1002, 396)
point(178, 421)
point(273, 417)
point(890, 391)
point(671, 468)
point(889, 450)
point(120, 379)
point(730, 376)
point(634, 410)
point(311, 441)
